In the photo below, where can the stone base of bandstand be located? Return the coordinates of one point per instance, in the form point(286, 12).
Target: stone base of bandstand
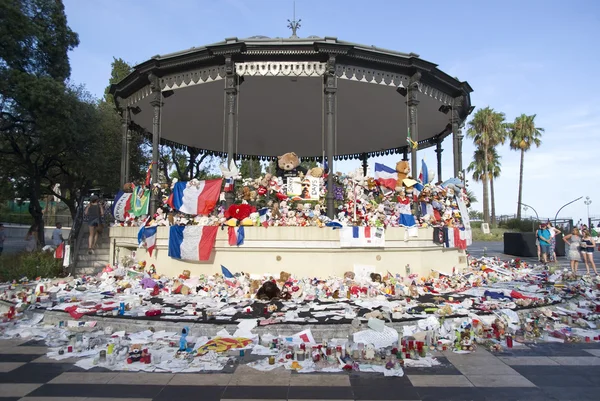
point(301, 251)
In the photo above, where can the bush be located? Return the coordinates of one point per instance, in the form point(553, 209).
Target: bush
point(30, 265)
point(522, 225)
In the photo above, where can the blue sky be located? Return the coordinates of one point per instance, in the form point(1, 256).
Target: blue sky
point(527, 56)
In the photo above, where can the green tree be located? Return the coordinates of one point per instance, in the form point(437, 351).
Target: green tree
point(523, 135)
point(477, 167)
point(139, 146)
point(250, 169)
point(487, 129)
point(34, 100)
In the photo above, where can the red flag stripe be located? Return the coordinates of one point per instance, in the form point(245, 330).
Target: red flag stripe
point(209, 197)
point(207, 242)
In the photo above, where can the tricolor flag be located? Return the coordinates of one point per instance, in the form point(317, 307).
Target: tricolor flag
point(121, 206)
point(192, 242)
point(195, 200)
point(424, 175)
point(386, 176)
point(362, 237)
point(228, 185)
point(236, 238)
point(264, 216)
point(147, 236)
point(226, 272)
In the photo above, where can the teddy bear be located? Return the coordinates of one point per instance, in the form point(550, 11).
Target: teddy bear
point(403, 170)
point(288, 165)
point(266, 180)
point(128, 187)
point(316, 172)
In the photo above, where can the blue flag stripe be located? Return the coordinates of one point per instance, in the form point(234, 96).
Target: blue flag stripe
point(175, 240)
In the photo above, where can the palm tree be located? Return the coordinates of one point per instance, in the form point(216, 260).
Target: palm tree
point(487, 129)
point(523, 134)
point(477, 166)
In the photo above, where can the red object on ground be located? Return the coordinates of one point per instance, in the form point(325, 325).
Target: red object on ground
point(155, 312)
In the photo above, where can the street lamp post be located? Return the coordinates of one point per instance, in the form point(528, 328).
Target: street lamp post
point(525, 206)
point(565, 205)
point(588, 202)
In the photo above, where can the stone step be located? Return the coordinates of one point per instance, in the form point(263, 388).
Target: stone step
point(93, 257)
point(88, 270)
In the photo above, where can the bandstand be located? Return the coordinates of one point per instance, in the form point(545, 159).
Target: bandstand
point(322, 98)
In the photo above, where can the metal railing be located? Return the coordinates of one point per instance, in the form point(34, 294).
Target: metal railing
point(25, 219)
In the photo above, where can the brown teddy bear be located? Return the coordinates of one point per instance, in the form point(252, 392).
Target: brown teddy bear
point(266, 179)
point(403, 170)
point(128, 187)
point(288, 165)
point(316, 172)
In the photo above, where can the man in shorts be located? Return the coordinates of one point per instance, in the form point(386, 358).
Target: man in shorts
point(544, 237)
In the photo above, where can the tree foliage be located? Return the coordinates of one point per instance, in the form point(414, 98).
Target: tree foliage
point(251, 168)
point(487, 129)
point(35, 102)
point(523, 136)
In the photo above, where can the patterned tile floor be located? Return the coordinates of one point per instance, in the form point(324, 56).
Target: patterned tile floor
point(536, 372)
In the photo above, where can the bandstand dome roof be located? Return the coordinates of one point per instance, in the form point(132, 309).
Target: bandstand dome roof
point(281, 97)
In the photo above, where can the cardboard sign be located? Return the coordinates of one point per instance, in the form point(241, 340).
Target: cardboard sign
point(306, 188)
point(485, 227)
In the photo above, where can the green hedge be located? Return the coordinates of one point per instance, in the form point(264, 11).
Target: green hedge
point(522, 225)
point(30, 265)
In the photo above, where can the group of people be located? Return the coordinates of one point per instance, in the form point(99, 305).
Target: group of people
point(581, 246)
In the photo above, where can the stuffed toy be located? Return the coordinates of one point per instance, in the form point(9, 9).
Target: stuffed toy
point(316, 172)
point(403, 170)
point(128, 187)
point(135, 353)
point(268, 291)
point(266, 180)
point(288, 165)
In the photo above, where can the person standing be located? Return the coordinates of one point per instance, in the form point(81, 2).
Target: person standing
point(544, 237)
point(2, 238)
point(31, 238)
point(57, 237)
point(94, 214)
point(573, 240)
point(587, 251)
point(553, 233)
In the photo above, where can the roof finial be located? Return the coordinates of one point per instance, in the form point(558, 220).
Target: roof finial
point(293, 24)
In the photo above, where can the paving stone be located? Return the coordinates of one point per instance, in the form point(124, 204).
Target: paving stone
point(500, 381)
point(528, 360)
point(440, 381)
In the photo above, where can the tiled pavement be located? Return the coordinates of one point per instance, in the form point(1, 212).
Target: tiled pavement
point(537, 372)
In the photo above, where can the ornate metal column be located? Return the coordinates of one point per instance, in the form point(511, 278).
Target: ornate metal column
point(365, 163)
point(231, 118)
point(438, 151)
point(330, 101)
point(456, 135)
point(124, 147)
point(412, 102)
point(156, 104)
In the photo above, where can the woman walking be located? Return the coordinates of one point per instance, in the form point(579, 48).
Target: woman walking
point(95, 214)
point(573, 240)
point(587, 251)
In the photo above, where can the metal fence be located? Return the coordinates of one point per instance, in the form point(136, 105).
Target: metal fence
point(26, 219)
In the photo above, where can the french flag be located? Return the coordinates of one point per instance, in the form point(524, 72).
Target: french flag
point(228, 185)
point(424, 175)
point(363, 233)
point(264, 216)
point(192, 243)
point(386, 176)
point(195, 200)
point(147, 235)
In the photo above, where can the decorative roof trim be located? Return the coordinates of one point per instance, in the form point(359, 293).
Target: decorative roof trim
point(194, 77)
point(280, 68)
